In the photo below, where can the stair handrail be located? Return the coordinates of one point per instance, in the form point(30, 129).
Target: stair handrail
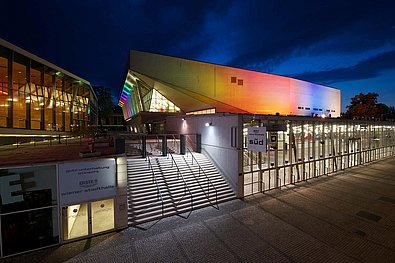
point(174, 142)
point(190, 142)
point(208, 180)
point(186, 187)
point(159, 193)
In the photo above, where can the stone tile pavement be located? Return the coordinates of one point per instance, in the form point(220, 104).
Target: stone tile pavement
point(345, 217)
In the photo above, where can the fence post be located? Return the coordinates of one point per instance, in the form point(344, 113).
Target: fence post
point(144, 146)
point(119, 146)
point(164, 145)
point(198, 143)
point(182, 143)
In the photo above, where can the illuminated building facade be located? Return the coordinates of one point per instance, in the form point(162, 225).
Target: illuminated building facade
point(193, 87)
point(220, 103)
point(37, 95)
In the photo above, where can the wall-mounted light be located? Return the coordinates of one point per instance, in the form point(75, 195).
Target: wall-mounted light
point(183, 118)
point(208, 124)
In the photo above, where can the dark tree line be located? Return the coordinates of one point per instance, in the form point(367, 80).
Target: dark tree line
point(365, 106)
point(105, 103)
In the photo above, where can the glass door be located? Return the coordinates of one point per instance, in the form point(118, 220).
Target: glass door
point(84, 219)
point(75, 221)
point(102, 214)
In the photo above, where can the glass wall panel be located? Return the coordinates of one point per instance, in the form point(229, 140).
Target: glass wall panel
point(27, 188)
point(75, 221)
point(49, 102)
point(67, 101)
point(59, 105)
point(3, 90)
point(20, 95)
point(28, 208)
point(36, 98)
point(29, 230)
point(102, 215)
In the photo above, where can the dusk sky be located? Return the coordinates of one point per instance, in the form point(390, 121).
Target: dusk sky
point(349, 45)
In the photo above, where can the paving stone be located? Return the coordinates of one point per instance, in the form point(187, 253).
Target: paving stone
point(313, 221)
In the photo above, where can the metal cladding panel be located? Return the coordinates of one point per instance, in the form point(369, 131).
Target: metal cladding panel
point(313, 96)
point(249, 91)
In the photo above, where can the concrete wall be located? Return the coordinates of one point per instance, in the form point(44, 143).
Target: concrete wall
point(121, 202)
point(217, 141)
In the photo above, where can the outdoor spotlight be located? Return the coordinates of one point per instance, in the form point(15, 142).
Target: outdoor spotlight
point(208, 124)
point(183, 118)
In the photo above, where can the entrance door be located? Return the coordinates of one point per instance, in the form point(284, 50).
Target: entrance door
point(85, 219)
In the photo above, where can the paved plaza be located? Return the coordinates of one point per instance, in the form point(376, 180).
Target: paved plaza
point(344, 217)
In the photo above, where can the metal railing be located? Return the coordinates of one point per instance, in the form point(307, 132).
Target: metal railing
point(202, 172)
point(176, 145)
point(186, 188)
point(155, 181)
point(13, 142)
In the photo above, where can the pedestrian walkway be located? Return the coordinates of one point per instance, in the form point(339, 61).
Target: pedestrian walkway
point(345, 217)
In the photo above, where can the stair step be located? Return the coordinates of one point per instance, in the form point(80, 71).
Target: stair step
point(143, 202)
point(136, 220)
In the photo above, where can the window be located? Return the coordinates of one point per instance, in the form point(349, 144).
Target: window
point(307, 108)
point(315, 108)
point(233, 79)
point(240, 82)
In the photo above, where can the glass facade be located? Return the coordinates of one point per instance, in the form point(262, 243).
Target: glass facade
point(34, 95)
point(28, 209)
point(138, 96)
point(302, 149)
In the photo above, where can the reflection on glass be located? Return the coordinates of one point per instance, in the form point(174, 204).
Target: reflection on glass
point(102, 215)
point(29, 230)
point(27, 188)
point(75, 221)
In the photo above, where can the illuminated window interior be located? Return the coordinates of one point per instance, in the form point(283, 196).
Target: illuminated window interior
point(160, 104)
point(207, 111)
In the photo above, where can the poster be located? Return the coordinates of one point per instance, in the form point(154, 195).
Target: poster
point(256, 139)
point(86, 180)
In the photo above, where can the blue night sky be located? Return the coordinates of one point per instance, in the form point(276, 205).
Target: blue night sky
point(348, 45)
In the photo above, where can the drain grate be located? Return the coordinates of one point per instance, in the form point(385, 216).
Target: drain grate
point(369, 216)
point(387, 199)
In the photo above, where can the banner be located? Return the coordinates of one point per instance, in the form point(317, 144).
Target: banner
point(86, 180)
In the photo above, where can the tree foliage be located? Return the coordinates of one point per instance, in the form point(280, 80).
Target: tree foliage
point(365, 106)
point(104, 101)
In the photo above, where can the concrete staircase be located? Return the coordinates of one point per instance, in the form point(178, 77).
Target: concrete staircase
point(159, 187)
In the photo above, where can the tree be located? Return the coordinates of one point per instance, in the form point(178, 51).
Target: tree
point(104, 101)
point(364, 106)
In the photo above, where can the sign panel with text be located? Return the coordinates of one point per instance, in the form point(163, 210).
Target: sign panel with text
point(256, 139)
point(84, 181)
